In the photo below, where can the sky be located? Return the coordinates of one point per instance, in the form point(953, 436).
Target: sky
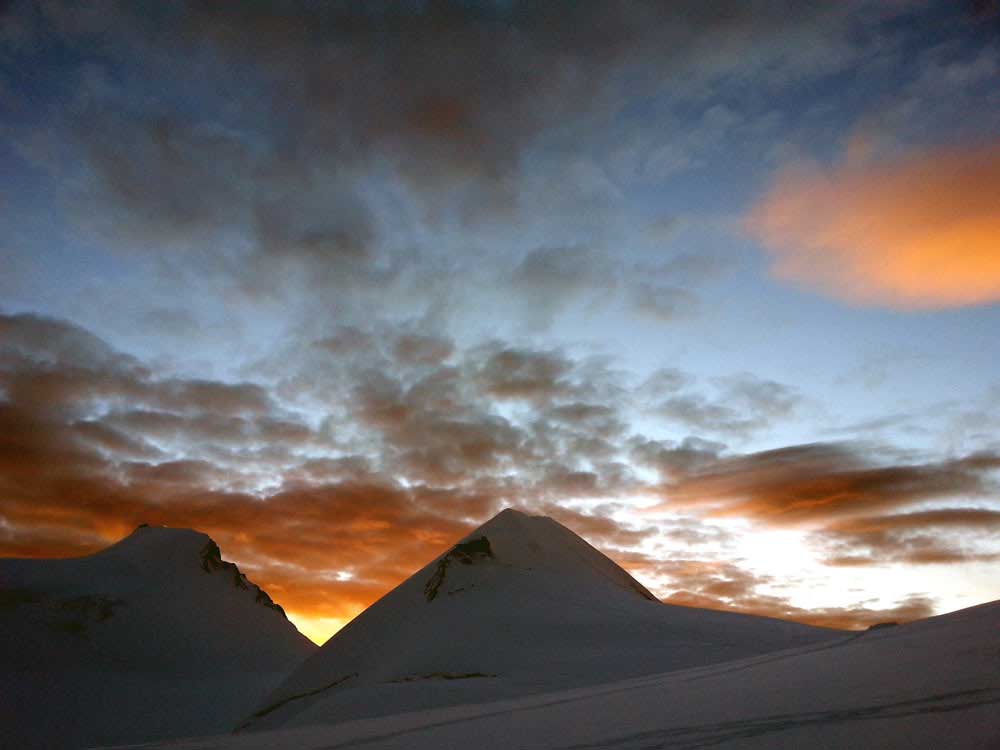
point(715, 284)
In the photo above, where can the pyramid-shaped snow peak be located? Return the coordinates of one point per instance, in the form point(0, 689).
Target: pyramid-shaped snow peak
point(521, 605)
point(156, 636)
point(515, 541)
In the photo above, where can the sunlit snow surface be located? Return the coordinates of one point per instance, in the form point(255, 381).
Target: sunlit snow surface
point(931, 684)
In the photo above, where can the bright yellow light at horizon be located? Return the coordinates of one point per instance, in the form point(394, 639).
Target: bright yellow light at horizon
point(318, 629)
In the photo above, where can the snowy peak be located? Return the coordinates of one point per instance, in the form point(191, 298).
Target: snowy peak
point(157, 551)
point(160, 599)
point(162, 545)
point(513, 539)
point(154, 636)
point(521, 605)
point(211, 562)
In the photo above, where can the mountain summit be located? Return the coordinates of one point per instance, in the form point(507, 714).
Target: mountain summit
point(521, 605)
point(512, 540)
point(156, 636)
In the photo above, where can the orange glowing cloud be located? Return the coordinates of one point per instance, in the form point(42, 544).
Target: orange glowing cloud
point(917, 233)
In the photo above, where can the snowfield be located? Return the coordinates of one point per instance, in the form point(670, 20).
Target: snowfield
point(931, 684)
point(153, 637)
point(522, 635)
point(522, 605)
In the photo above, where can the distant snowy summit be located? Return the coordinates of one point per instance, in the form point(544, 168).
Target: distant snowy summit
point(201, 610)
point(521, 605)
point(515, 541)
point(155, 636)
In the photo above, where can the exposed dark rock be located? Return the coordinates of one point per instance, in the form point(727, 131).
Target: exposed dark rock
point(211, 561)
point(263, 598)
point(211, 557)
point(467, 553)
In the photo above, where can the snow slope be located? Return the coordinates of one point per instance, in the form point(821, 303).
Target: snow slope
point(522, 605)
point(152, 637)
point(924, 686)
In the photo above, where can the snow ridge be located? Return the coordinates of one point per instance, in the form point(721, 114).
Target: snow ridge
point(211, 561)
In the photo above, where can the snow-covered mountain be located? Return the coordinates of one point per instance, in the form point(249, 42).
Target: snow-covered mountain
point(520, 606)
point(155, 636)
point(927, 685)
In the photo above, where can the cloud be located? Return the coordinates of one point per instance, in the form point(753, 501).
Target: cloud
point(663, 302)
point(516, 373)
point(741, 405)
point(819, 482)
point(716, 584)
point(917, 232)
point(940, 536)
point(551, 278)
point(673, 460)
point(395, 464)
point(290, 150)
point(413, 348)
point(375, 450)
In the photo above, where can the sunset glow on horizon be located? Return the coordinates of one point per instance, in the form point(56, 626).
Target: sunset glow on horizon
point(716, 286)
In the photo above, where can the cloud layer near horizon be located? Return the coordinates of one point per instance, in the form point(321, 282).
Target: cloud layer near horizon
point(332, 488)
point(347, 277)
point(917, 232)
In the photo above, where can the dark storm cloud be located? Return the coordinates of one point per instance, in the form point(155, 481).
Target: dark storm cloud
point(819, 482)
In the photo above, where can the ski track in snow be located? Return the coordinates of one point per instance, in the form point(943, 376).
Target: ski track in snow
point(708, 735)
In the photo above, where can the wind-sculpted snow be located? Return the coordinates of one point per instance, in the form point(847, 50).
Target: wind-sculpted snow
point(927, 685)
point(155, 636)
point(531, 607)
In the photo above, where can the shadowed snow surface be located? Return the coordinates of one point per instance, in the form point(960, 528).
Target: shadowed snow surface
point(152, 637)
point(924, 686)
point(520, 606)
